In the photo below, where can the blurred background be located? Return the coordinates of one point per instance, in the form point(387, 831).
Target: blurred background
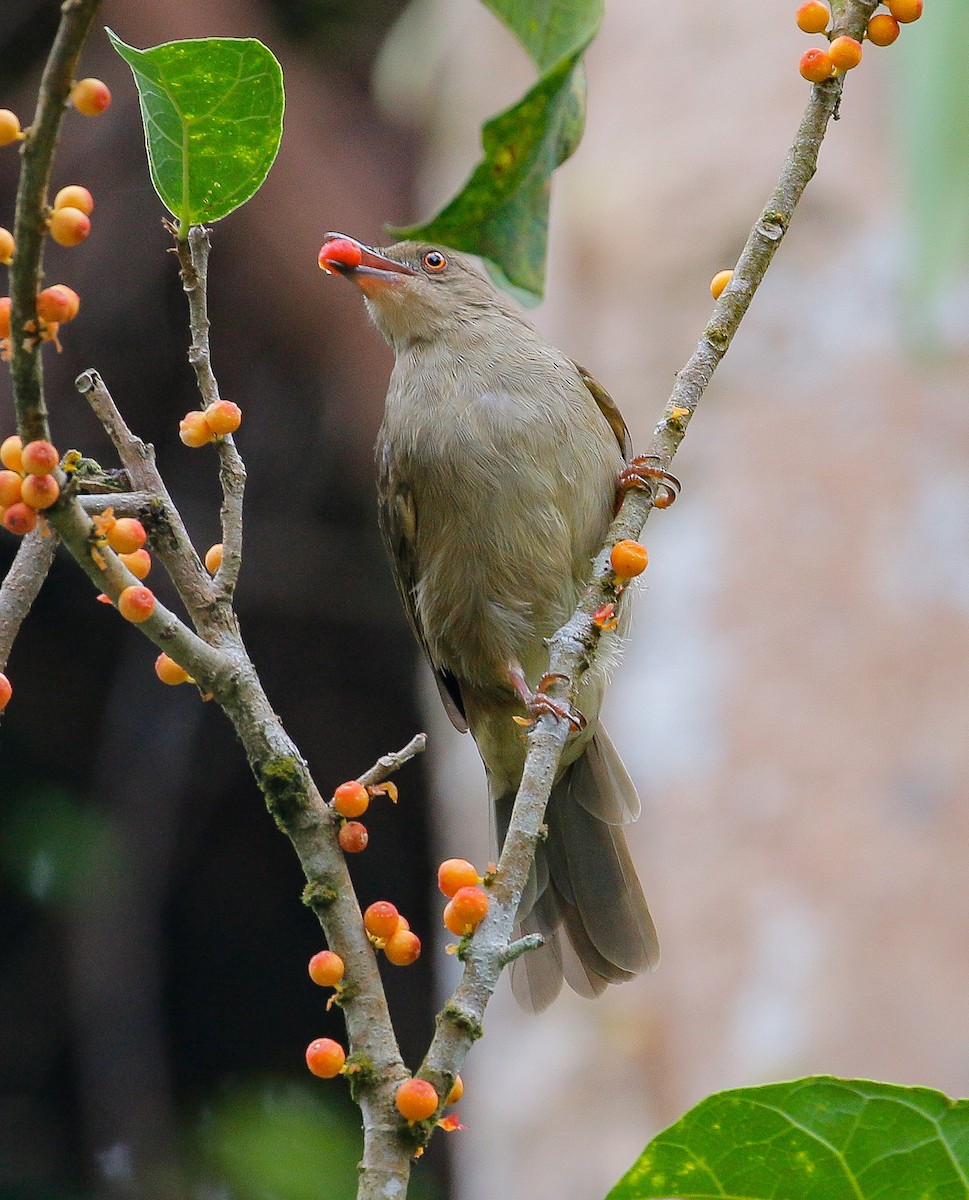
point(792, 704)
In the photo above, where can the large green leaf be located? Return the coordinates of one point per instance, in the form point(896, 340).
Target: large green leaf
point(213, 115)
point(501, 212)
point(814, 1139)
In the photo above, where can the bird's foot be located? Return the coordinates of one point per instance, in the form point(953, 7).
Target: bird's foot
point(538, 702)
point(641, 472)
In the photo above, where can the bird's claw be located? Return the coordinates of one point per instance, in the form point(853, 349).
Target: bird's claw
point(641, 471)
point(538, 703)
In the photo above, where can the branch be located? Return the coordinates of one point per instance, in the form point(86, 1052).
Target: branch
point(390, 764)
point(23, 583)
point(572, 648)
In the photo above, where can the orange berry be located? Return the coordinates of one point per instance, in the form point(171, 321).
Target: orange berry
point(381, 920)
point(719, 282)
point(223, 416)
point(816, 66)
point(138, 563)
point(7, 246)
point(456, 873)
point(5, 303)
point(20, 518)
point(416, 1100)
point(11, 452)
point(39, 458)
point(75, 196)
point(6, 691)
point(90, 97)
point(351, 799)
point(136, 603)
point(905, 11)
point(403, 948)
point(326, 968)
point(325, 1057)
point(469, 905)
point(628, 559)
point(69, 226)
point(812, 17)
point(845, 53)
point(9, 127)
point(194, 429)
point(882, 29)
point(11, 486)
point(456, 1092)
point(353, 838)
point(58, 303)
point(168, 671)
point(126, 535)
point(40, 491)
point(213, 558)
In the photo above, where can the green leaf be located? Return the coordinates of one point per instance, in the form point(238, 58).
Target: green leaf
point(213, 115)
point(501, 213)
point(819, 1138)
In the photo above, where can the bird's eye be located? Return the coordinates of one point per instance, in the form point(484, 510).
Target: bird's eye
point(434, 260)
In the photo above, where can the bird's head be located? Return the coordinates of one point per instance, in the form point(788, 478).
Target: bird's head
point(415, 292)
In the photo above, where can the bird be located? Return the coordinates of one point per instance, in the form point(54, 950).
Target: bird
point(498, 463)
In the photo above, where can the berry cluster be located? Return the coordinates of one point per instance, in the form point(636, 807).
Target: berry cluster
point(27, 483)
point(351, 800)
point(198, 428)
point(467, 900)
point(843, 52)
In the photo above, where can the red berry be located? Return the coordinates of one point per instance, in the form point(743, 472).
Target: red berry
point(812, 17)
point(11, 453)
point(39, 458)
point(213, 558)
point(20, 518)
point(381, 920)
point(90, 97)
point(353, 837)
point(7, 247)
point(11, 486)
point(403, 948)
point(628, 559)
point(6, 691)
point(168, 671)
point(138, 563)
point(467, 907)
point(326, 968)
point(75, 196)
point(905, 11)
point(816, 66)
point(456, 873)
point(9, 127)
point(136, 603)
point(340, 252)
point(883, 29)
point(69, 226)
point(845, 52)
point(223, 416)
point(58, 303)
point(40, 491)
point(126, 535)
point(325, 1057)
point(351, 799)
point(194, 429)
point(416, 1100)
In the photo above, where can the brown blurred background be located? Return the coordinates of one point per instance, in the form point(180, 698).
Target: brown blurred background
point(792, 702)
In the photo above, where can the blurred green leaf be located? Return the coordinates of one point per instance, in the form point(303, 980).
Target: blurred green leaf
point(501, 213)
point(213, 115)
point(813, 1139)
point(933, 112)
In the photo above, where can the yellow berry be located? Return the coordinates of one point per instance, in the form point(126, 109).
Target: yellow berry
point(168, 671)
point(812, 17)
point(213, 558)
point(9, 127)
point(719, 282)
point(845, 52)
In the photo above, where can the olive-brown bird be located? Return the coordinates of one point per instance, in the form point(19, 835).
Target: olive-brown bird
point(498, 465)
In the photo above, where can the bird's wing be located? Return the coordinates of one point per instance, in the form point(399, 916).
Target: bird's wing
point(397, 514)
point(609, 409)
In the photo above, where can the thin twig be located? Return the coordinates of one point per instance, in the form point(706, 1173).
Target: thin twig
point(23, 583)
point(390, 764)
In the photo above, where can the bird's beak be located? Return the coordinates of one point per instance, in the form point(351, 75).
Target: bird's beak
point(368, 268)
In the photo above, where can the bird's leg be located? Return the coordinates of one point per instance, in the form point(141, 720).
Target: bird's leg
point(538, 702)
point(638, 474)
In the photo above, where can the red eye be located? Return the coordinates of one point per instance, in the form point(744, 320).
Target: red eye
point(434, 260)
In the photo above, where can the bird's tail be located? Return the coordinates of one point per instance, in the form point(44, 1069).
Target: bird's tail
point(583, 881)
